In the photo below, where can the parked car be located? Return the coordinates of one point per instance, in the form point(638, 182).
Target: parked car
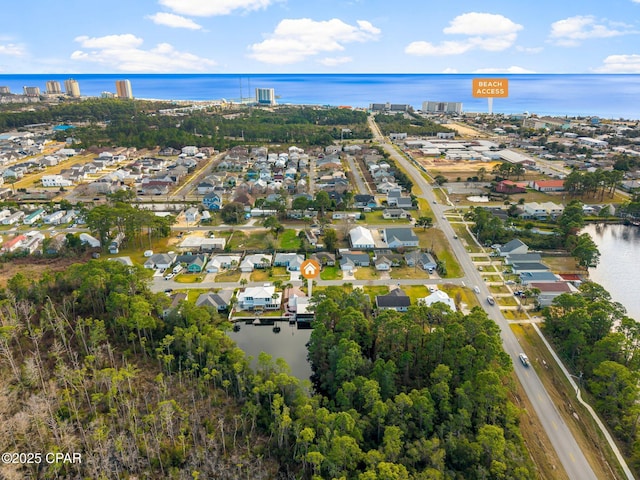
point(170, 276)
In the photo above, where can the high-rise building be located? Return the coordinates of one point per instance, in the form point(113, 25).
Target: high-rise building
point(31, 91)
point(123, 89)
point(53, 87)
point(72, 88)
point(442, 107)
point(265, 96)
point(5, 90)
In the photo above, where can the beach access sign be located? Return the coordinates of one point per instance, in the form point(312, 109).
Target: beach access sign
point(490, 87)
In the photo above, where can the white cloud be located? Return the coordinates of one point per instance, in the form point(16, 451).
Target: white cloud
point(335, 61)
point(122, 53)
point(450, 70)
point(294, 40)
point(126, 40)
point(620, 64)
point(210, 8)
point(530, 49)
point(12, 50)
point(474, 23)
point(485, 31)
point(174, 21)
point(513, 69)
point(571, 31)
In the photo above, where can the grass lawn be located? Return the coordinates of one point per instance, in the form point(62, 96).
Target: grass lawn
point(259, 276)
point(434, 238)
point(278, 273)
point(463, 235)
point(498, 289)
point(136, 253)
point(288, 240)
point(415, 292)
point(506, 301)
point(193, 293)
point(424, 209)
point(374, 291)
point(229, 276)
point(398, 273)
point(514, 315)
point(562, 264)
point(375, 218)
point(189, 278)
point(492, 278)
point(460, 295)
point(254, 241)
point(331, 273)
point(366, 273)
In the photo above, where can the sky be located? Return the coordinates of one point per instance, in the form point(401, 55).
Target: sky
point(320, 36)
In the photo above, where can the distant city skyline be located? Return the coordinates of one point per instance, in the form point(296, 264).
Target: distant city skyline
point(286, 36)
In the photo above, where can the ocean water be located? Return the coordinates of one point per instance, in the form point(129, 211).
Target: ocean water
point(607, 96)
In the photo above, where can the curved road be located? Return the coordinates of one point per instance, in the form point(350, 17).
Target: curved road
point(563, 441)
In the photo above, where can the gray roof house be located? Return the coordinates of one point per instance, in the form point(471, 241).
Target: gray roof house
point(290, 260)
point(423, 260)
point(396, 300)
point(400, 237)
point(160, 261)
point(350, 260)
point(515, 246)
point(220, 300)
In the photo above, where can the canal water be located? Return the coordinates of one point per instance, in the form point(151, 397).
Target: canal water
point(289, 344)
point(619, 268)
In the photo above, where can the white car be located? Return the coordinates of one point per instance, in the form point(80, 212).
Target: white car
point(524, 359)
point(170, 276)
point(476, 289)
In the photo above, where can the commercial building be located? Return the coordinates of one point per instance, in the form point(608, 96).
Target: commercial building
point(72, 88)
point(265, 96)
point(442, 107)
point(53, 87)
point(123, 89)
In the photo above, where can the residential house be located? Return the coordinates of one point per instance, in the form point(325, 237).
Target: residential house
point(56, 244)
point(13, 218)
point(364, 201)
point(527, 278)
point(259, 298)
point(13, 244)
point(438, 297)
point(361, 238)
point(420, 259)
point(33, 217)
point(396, 300)
point(219, 300)
point(218, 263)
point(192, 215)
point(256, 260)
point(54, 218)
point(400, 237)
point(55, 181)
point(383, 264)
point(350, 260)
point(194, 263)
point(514, 246)
point(521, 267)
point(176, 300)
point(324, 258)
point(548, 291)
point(541, 211)
point(33, 242)
point(212, 201)
point(160, 261)
point(205, 187)
point(523, 258)
point(395, 213)
point(290, 260)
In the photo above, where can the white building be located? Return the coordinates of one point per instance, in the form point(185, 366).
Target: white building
point(264, 297)
point(438, 296)
point(361, 238)
point(55, 181)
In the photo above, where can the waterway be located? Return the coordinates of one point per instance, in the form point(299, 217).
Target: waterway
point(289, 344)
point(619, 268)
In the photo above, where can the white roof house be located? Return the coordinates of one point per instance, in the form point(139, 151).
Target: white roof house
point(361, 237)
point(259, 297)
point(438, 296)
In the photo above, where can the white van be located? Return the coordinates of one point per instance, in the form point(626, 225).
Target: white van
point(177, 269)
point(476, 289)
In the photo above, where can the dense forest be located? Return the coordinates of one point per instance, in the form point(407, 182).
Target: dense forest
point(601, 346)
point(91, 361)
point(409, 123)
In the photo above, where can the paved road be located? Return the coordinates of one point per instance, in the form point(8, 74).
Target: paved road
point(357, 176)
point(572, 458)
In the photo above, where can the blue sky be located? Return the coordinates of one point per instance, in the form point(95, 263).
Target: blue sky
point(320, 36)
